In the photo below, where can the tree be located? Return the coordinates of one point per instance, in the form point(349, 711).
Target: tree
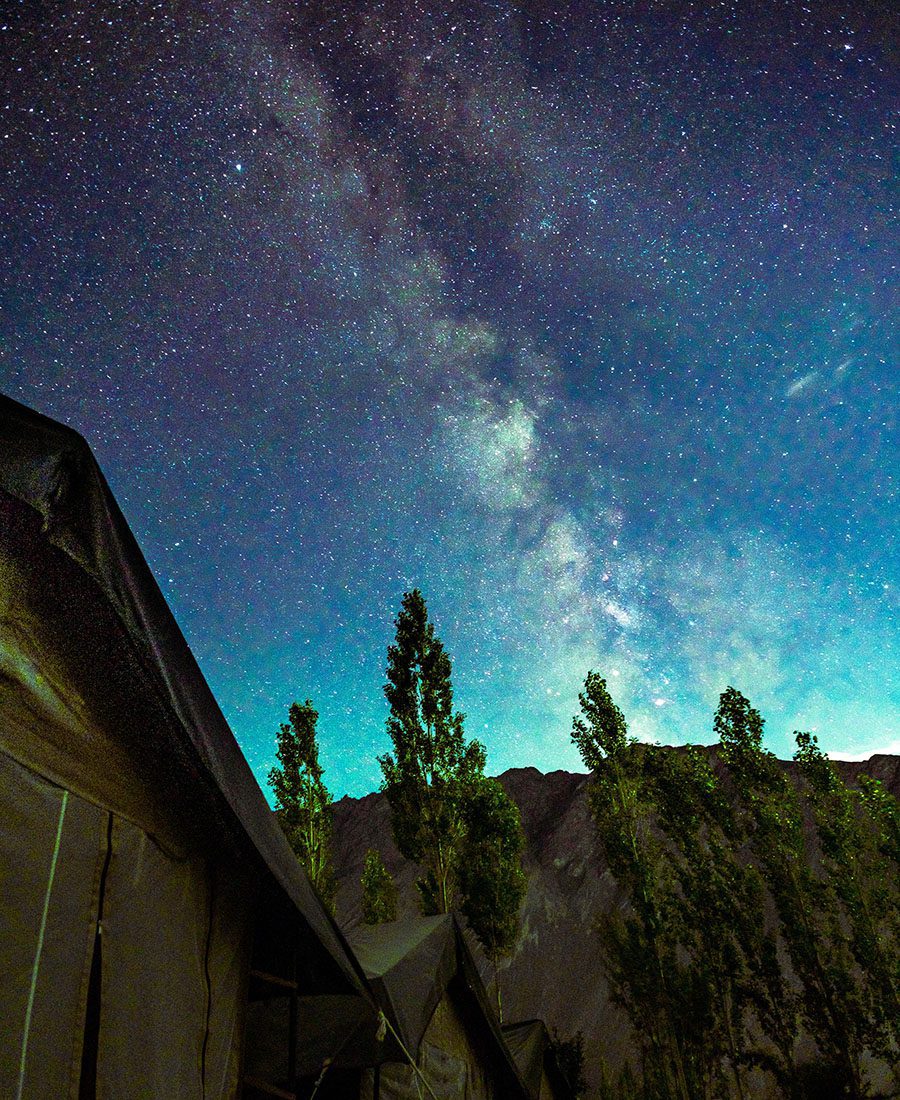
point(747, 1013)
point(812, 927)
point(856, 875)
point(569, 1055)
point(490, 876)
point(433, 768)
point(302, 801)
point(461, 827)
point(727, 870)
point(646, 975)
point(379, 893)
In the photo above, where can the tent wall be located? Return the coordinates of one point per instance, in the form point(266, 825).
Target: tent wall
point(227, 964)
point(153, 1000)
point(450, 1059)
point(172, 976)
point(51, 852)
point(452, 1033)
point(138, 853)
point(547, 1090)
point(90, 790)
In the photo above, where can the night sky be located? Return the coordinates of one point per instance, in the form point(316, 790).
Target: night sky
point(577, 316)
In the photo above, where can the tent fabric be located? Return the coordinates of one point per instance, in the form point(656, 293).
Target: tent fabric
point(139, 857)
point(454, 1059)
point(450, 1059)
point(71, 707)
point(51, 849)
point(418, 965)
point(446, 1060)
point(529, 1044)
point(409, 964)
point(154, 992)
point(50, 468)
point(226, 964)
point(165, 969)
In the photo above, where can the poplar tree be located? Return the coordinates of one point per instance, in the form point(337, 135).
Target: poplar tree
point(811, 925)
point(490, 875)
point(459, 826)
point(302, 801)
point(433, 769)
point(722, 925)
point(646, 975)
point(379, 892)
point(864, 882)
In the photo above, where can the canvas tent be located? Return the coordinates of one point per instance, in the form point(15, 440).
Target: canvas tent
point(149, 900)
point(426, 980)
point(530, 1047)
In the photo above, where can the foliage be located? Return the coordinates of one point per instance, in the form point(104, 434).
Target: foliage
point(721, 881)
point(433, 768)
point(379, 892)
point(569, 1055)
point(490, 876)
point(831, 1002)
point(302, 801)
point(864, 881)
point(643, 967)
point(446, 815)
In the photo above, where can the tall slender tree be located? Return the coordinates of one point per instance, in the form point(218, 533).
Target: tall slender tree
point(461, 827)
point(865, 885)
point(646, 975)
point(302, 801)
point(722, 927)
point(433, 768)
point(810, 923)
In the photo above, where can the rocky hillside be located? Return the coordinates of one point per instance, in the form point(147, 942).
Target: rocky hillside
point(555, 973)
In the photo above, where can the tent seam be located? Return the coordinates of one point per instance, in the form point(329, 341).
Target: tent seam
point(40, 945)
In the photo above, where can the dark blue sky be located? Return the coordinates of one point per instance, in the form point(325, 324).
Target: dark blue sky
point(580, 317)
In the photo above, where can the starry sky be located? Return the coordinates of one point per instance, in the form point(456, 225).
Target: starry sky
point(579, 316)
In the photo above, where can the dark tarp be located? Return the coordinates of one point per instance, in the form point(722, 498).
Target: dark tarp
point(410, 964)
point(50, 468)
point(529, 1044)
point(122, 789)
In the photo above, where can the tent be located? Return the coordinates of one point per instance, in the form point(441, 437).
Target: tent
point(530, 1047)
point(425, 978)
point(150, 903)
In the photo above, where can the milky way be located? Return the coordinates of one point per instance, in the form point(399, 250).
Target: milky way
point(576, 316)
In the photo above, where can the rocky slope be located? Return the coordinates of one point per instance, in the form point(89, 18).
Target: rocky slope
point(555, 972)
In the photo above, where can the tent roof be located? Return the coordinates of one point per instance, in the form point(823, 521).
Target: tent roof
point(50, 469)
point(529, 1044)
point(410, 963)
